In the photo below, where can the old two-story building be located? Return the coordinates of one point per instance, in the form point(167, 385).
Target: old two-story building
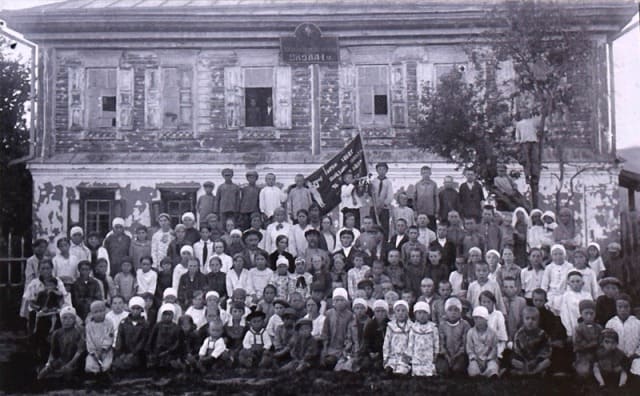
point(141, 101)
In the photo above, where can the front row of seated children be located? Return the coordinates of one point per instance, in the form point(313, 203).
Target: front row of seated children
point(402, 341)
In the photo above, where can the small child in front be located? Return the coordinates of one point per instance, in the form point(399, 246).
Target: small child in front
point(163, 346)
point(531, 346)
point(256, 344)
point(214, 352)
point(453, 332)
point(611, 363)
point(482, 346)
point(424, 342)
point(396, 340)
point(628, 328)
point(303, 348)
point(586, 338)
point(132, 338)
point(67, 347)
point(99, 336)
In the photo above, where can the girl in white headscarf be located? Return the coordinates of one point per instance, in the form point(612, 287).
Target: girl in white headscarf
point(536, 236)
point(595, 260)
point(554, 279)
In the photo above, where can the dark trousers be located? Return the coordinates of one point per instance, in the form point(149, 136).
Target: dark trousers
point(382, 219)
point(530, 159)
point(455, 367)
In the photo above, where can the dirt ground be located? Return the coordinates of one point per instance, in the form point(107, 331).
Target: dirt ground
point(17, 376)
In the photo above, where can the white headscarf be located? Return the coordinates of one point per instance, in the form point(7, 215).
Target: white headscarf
point(514, 219)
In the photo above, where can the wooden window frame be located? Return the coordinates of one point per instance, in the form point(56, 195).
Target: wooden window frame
point(168, 195)
point(377, 120)
point(89, 116)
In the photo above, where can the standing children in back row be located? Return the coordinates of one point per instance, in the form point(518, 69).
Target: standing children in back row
point(367, 273)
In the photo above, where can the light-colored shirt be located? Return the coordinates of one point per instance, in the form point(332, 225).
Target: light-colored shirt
point(115, 320)
point(198, 316)
point(235, 281)
point(475, 288)
point(178, 271)
point(252, 338)
point(426, 236)
point(554, 282)
point(258, 279)
point(80, 252)
point(527, 130)
point(146, 281)
point(198, 252)
point(297, 242)
point(274, 230)
point(159, 245)
point(531, 280)
point(569, 310)
point(347, 199)
point(629, 338)
point(355, 275)
point(65, 268)
point(271, 198)
point(497, 323)
point(213, 348)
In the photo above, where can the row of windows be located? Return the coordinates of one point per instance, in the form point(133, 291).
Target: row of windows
point(96, 208)
point(168, 96)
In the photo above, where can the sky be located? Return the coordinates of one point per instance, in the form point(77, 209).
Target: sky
point(626, 58)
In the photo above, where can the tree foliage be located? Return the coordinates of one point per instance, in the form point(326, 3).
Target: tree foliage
point(472, 124)
point(14, 93)
point(466, 123)
point(15, 181)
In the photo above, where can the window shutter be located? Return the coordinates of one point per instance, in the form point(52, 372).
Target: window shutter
point(152, 108)
point(124, 101)
point(234, 97)
point(119, 207)
point(424, 76)
point(347, 94)
point(76, 92)
point(282, 105)
point(398, 91)
point(74, 212)
point(186, 104)
point(156, 209)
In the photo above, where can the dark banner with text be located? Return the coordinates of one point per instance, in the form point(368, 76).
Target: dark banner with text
point(327, 180)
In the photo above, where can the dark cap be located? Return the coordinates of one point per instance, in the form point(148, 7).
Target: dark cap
point(289, 312)
point(312, 231)
point(364, 283)
point(303, 322)
point(208, 184)
point(255, 314)
point(252, 232)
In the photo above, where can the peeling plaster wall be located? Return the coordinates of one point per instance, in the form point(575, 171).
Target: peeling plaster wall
point(594, 202)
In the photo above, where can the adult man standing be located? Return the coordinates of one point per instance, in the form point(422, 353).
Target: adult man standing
point(425, 197)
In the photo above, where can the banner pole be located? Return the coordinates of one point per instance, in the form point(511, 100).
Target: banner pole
point(366, 165)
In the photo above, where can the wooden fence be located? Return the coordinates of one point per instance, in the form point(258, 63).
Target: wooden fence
point(630, 233)
point(12, 263)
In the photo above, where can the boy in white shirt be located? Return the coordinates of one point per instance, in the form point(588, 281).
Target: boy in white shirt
point(570, 302)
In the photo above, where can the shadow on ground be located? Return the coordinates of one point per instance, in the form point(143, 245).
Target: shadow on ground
point(17, 375)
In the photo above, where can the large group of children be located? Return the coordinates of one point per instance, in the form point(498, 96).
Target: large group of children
point(429, 282)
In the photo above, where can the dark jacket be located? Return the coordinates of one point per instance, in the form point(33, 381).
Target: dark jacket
point(470, 200)
point(132, 338)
